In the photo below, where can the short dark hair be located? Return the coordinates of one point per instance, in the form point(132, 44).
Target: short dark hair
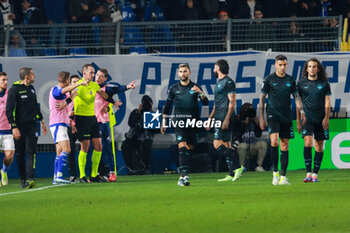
point(104, 71)
point(3, 73)
point(258, 8)
point(24, 71)
point(86, 66)
point(63, 76)
point(223, 65)
point(184, 65)
point(146, 99)
point(280, 58)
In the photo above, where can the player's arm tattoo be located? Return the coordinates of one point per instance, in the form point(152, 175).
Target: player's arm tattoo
point(231, 105)
point(298, 103)
point(262, 104)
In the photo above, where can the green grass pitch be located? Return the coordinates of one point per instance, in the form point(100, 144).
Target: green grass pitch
point(156, 204)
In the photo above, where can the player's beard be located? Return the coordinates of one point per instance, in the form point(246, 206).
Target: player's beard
point(184, 79)
point(216, 74)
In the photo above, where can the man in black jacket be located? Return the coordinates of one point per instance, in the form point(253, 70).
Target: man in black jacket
point(23, 111)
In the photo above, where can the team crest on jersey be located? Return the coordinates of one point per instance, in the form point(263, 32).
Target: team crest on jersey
point(33, 90)
point(288, 84)
point(319, 86)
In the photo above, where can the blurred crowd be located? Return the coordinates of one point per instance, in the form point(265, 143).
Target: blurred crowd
point(83, 11)
point(25, 42)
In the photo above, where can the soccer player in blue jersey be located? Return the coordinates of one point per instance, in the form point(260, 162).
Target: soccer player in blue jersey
point(279, 86)
point(315, 92)
point(223, 110)
point(185, 95)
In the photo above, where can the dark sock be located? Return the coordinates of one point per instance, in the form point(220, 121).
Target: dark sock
point(274, 158)
point(284, 162)
point(308, 158)
point(228, 154)
point(236, 162)
point(184, 157)
point(317, 161)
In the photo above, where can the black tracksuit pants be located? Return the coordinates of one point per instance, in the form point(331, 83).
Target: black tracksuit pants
point(26, 144)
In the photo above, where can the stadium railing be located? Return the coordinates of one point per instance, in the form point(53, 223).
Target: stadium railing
point(312, 34)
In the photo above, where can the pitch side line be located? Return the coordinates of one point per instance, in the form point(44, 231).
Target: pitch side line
point(32, 190)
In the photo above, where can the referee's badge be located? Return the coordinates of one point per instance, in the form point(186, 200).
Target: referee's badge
point(90, 92)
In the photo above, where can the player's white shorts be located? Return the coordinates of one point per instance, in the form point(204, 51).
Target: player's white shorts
point(7, 142)
point(59, 133)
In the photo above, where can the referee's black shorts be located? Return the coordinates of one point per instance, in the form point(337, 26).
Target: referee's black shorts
point(87, 127)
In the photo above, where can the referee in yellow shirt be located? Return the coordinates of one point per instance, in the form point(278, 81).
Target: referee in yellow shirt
point(86, 123)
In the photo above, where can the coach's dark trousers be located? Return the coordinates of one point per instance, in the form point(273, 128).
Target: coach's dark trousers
point(26, 144)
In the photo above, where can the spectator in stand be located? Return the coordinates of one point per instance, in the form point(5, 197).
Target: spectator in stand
point(109, 11)
point(32, 15)
point(322, 8)
point(327, 8)
point(260, 31)
point(57, 13)
point(297, 8)
point(294, 33)
point(330, 28)
point(246, 9)
point(190, 11)
point(81, 11)
point(247, 132)
point(17, 45)
point(6, 12)
point(223, 15)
